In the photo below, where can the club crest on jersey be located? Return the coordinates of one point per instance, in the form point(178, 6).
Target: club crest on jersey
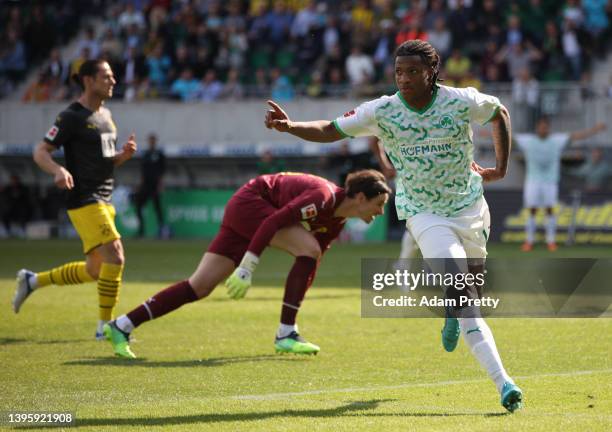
point(349, 113)
point(309, 211)
point(52, 133)
point(446, 121)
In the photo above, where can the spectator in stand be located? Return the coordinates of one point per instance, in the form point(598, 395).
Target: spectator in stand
point(282, 89)
point(180, 62)
point(596, 22)
point(460, 23)
point(159, 65)
point(456, 68)
point(305, 19)
point(362, 16)
point(315, 88)
point(470, 79)
point(571, 49)
point(440, 37)
point(436, 11)
point(186, 87)
point(90, 42)
point(514, 34)
point(594, 172)
point(573, 12)
point(259, 28)
point(75, 65)
point(111, 44)
point(232, 89)
point(214, 16)
point(131, 72)
point(130, 16)
point(518, 57)
point(525, 100)
point(234, 17)
point(40, 34)
point(57, 68)
point(279, 20)
point(552, 54)
point(411, 30)
point(13, 62)
point(210, 87)
point(359, 67)
point(488, 16)
point(385, 45)
point(331, 34)
point(260, 88)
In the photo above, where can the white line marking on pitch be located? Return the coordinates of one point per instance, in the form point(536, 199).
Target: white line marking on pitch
point(269, 396)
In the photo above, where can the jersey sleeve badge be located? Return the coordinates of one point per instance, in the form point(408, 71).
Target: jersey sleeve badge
point(52, 133)
point(309, 211)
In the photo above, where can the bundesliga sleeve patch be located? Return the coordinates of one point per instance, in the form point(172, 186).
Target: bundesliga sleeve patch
point(349, 113)
point(309, 211)
point(52, 133)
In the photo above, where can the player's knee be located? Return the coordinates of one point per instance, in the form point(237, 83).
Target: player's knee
point(310, 249)
point(200, 288)
point(113, 253)
point(93, 269)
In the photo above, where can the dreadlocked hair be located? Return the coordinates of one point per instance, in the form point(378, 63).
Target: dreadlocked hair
point(428, 54)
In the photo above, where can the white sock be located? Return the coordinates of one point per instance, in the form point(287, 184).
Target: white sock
point(408, 246)
point(124, 324)
point(101, 325)
point(551, 228)
point(285, 330)
point(530, 229)
point(33, 280)
point(479, 338)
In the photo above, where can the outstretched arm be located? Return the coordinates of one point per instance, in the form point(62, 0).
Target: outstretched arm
point(586, 133)
point(502, 138)
point(322, 131)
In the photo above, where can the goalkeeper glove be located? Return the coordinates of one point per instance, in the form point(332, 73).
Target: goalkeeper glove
point(240, 280)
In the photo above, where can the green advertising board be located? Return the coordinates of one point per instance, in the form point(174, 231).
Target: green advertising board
point(194, 213)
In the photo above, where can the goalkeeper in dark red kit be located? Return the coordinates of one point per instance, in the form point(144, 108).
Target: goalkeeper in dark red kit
point(298, 213)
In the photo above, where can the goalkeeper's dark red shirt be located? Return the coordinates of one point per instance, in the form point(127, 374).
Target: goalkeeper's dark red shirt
point(271, 202)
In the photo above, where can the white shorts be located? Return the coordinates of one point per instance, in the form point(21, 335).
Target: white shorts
point(462, 236)
point(540, 194)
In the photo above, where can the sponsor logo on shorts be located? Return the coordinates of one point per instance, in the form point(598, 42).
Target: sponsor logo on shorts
point(52, 133)
point(309, 211)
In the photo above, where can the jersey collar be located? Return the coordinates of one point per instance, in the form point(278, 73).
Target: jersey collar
point(425, 108)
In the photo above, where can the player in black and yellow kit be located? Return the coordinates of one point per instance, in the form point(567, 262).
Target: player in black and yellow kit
point(88, 135)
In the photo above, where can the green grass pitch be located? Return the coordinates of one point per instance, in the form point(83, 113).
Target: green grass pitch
point(211, 365)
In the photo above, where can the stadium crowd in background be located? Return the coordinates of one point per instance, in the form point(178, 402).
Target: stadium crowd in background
point(208, 50)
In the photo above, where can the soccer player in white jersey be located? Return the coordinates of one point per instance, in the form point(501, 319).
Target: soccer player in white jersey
point(542, 152)
point(425, 131)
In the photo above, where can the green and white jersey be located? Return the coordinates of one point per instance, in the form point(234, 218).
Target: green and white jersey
point(431, 149)
point(542, 156)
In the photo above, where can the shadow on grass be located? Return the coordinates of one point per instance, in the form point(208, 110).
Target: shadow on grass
point(16, 341)
point(12, 341)
point(208, 362)
point(280, 296)
point(352, 409)
point(431, 414)
point(220, 418)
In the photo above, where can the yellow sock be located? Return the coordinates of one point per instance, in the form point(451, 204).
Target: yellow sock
point(109, 282)
point(72, 273)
